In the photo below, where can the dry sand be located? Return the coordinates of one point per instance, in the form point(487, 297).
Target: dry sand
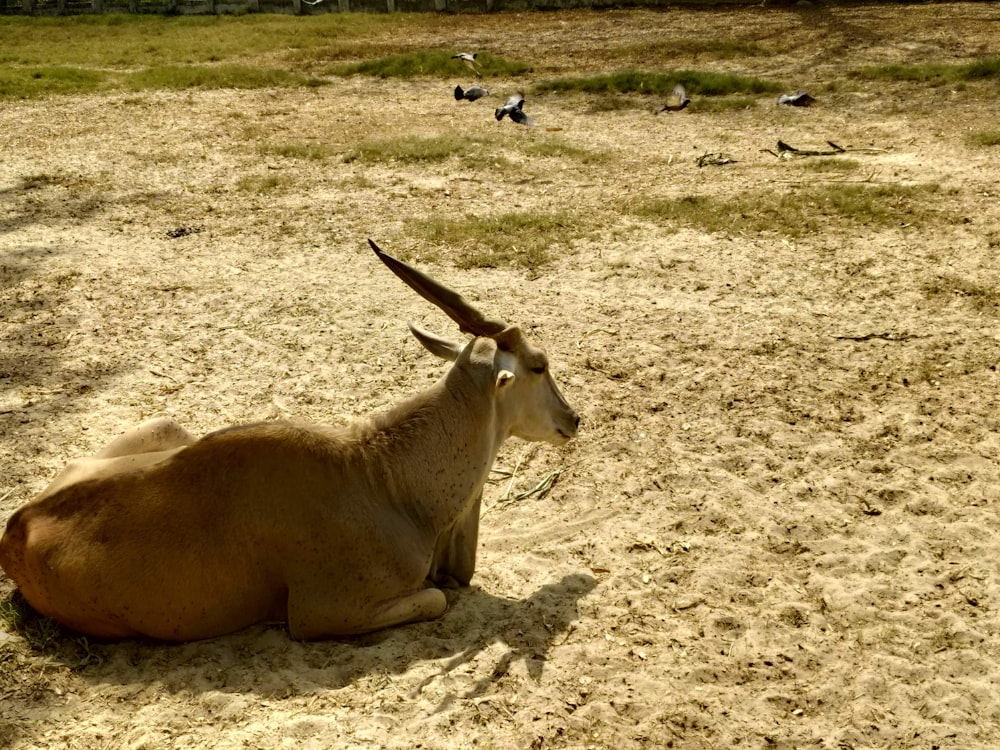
point(778, 526)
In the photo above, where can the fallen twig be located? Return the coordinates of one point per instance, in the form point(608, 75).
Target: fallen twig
point(541, 489)
point(159, 374)
point(510, 484)
point(715, 159)
point(782, 146)
point(786, 151)
point(883, 336)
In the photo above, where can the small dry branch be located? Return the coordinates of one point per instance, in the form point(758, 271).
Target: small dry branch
point(714, 159)
point(889, 336)
point(786, 151)
point(540, 490)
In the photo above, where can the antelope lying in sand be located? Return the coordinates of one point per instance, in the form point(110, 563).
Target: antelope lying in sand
point(334, 531)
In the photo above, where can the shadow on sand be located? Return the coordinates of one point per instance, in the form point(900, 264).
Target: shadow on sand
point(265, 661)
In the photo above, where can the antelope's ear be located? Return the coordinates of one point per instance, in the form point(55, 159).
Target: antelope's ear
point(439, 347)
point(504, 379)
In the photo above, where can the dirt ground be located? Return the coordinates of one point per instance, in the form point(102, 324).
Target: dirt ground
point(778, 526)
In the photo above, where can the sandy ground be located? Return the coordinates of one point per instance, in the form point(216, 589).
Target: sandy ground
point(778, 526)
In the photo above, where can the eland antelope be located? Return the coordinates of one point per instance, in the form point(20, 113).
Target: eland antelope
point(332, 530)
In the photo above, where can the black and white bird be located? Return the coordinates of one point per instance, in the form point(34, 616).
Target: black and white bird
point(514, 108)
point(677, 100)
point(469, 60)
point(798, 99)
point(470, 94)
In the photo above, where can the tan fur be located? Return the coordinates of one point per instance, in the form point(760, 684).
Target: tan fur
point(334, 530)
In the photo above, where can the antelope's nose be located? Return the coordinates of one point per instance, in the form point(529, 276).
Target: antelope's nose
point(574, 420)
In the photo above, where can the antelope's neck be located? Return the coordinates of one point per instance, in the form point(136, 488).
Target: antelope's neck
point(438, 447)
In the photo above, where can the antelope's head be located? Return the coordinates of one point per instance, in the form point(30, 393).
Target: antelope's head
point(524, 388)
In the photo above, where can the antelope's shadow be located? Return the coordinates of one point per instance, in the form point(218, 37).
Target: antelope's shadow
point(266, 661)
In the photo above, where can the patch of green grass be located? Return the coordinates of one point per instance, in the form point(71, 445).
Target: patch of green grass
point(522, 239)
point(77, 54)
point(33, 82)
point(986, 68)
point(723, 103)
point(981, 296)
point(700, 83)
point(412, 149)
point(434, 63)
point(921, 72)
point(265, 184)
point(179, 77)
point(299, 150)
point(933, 72)
point(983, 138)
point(474, 150)
point(130, 41)
point(797, 212)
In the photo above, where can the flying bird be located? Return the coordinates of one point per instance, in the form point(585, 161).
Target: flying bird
point(469, 60)
point(677, 100)
point(513, 108)
point(470, 94)
point(798, 99)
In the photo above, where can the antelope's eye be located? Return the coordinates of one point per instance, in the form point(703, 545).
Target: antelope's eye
point(538, 369)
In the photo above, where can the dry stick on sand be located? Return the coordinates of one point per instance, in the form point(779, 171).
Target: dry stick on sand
point(714, 159)
point(889, 336)
point(541, 489)
point(785, 151)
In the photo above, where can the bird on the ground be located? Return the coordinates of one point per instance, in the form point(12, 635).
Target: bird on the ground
point(470, 94)
point(469, 60)
point(513, 107)
point(677, 100)
point(798, 99)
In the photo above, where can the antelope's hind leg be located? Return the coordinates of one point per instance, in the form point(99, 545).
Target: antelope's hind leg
point(314, 619)
point(152, 436)
point(143, 445)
